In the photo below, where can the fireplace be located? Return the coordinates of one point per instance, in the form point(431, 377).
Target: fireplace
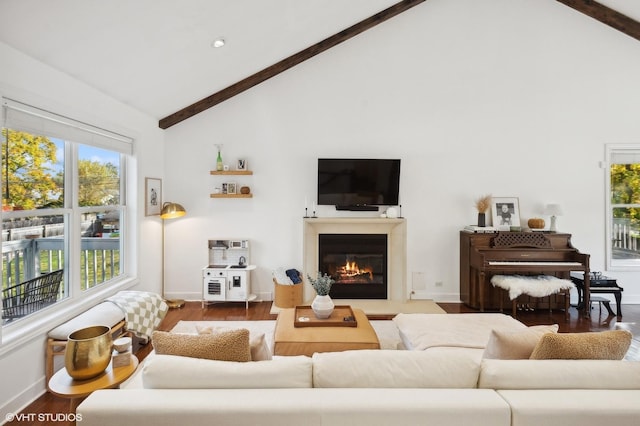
point(357, 262)
point(395, 231)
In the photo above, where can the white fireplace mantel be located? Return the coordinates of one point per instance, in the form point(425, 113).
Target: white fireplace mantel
point(396, 230)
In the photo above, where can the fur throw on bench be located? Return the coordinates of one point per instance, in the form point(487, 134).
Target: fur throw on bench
point(536, 286)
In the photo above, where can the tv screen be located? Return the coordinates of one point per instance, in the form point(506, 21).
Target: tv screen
point(358, 182)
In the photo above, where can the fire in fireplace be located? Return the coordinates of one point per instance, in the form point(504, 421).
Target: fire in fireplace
point(357, 262)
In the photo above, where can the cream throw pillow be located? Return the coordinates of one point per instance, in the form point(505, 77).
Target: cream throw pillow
point(227, 346)
point(612, 344)
point(257, 343)
point(509, 344)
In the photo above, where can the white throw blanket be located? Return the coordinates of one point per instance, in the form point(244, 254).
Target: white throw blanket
point(535, 286)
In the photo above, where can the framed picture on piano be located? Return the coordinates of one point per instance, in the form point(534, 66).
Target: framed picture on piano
point(506, 212)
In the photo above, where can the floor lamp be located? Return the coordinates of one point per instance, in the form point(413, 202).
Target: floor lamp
point(170, 211)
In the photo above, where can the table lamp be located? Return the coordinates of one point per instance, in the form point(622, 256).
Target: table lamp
point(553, 210)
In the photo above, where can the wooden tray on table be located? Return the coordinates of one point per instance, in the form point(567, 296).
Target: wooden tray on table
point(342, 316)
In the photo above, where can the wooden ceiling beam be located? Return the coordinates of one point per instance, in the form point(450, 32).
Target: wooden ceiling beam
point(606, 15)
point(286, 63)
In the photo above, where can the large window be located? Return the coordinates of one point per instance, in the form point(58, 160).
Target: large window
point(623, 207)
point(63, 208)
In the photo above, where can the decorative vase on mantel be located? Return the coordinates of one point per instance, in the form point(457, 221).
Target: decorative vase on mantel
point(322, 305)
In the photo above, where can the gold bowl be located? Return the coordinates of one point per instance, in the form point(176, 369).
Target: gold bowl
point(88, 352)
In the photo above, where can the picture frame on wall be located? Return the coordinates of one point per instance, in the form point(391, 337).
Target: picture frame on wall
point(152, 196)
point(505, 212)
point(231, 188)
point(241, 164)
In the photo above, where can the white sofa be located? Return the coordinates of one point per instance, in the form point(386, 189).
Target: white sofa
point(372, 388)
point(438, 385)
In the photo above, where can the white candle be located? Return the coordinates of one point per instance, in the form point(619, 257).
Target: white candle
point(314, 206)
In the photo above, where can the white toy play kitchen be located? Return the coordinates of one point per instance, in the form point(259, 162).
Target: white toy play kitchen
point(227, 277)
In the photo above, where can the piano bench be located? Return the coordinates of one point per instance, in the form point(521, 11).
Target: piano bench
point(563, 293)
point(601, 301)
point(536, 286)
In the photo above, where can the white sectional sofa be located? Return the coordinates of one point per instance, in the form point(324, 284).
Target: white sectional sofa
point(439, 385)
point(372, 388)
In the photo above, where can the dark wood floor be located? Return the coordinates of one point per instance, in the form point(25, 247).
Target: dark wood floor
point(192, 311)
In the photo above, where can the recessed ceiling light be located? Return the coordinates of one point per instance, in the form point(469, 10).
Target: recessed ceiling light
point(218, 42)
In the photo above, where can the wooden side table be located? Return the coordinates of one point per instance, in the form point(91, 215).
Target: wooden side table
point(62, 385)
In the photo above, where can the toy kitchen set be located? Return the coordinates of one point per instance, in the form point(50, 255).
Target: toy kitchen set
point(227, 277)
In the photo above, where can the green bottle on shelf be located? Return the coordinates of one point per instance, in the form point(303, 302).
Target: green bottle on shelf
point(219, 162)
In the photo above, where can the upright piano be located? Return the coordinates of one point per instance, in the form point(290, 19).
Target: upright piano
point(483, 255)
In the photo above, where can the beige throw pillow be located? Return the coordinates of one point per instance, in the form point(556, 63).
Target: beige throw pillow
point(259, 348)
point(257, 343)
point(509, 344)
point(596, 345)
point(227, 346)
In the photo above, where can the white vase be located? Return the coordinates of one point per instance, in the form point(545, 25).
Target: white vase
point(322, 306)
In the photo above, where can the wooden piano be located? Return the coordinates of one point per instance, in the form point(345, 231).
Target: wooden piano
point(483, 255)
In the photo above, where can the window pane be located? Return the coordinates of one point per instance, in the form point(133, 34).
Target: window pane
point(625, 233)
point(100, 256)
point(32, 171)
point(31, 247)
point(42, 155)
point(98, 177)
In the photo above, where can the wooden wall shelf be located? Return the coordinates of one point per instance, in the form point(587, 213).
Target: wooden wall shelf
point(231, 172)
point(231, 195)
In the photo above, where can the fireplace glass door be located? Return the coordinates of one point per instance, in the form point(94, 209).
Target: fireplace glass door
point(357, 262)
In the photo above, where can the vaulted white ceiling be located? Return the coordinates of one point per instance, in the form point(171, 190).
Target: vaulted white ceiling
point(156, 55)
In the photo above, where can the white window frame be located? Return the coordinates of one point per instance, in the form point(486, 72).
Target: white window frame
point(43, 122)
point(613, 151)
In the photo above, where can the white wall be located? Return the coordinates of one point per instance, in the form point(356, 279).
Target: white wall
point(31, 82)
point(508, 97)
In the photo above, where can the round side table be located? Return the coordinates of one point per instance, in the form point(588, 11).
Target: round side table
point(61, 384)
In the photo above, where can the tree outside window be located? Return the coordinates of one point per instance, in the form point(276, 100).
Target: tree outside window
point(623, 202)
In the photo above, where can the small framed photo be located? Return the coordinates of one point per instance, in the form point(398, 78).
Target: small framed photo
point(152, 196)
point(231, 188)
point(242, 164)
point(506, 212)
point(225, 188)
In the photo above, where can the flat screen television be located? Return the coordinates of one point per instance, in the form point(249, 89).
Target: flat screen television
point(358, 184)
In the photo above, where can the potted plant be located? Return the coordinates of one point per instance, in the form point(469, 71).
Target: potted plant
point(322, 304)
point(482, 205)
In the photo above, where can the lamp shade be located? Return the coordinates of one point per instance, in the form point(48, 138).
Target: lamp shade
point(172, 211)
point(553, 210)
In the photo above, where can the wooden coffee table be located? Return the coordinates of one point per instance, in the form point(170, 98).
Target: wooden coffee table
point(63, 385)
point(291, 340)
